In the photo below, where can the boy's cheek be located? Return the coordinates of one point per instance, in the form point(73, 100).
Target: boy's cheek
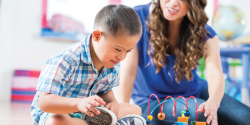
point(110, 56)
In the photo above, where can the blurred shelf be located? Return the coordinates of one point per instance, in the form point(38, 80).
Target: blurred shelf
point(235, 51)
point(48, 33)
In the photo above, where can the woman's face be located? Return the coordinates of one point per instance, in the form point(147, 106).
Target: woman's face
point(174, 10)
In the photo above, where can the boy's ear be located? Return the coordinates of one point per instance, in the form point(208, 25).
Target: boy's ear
point(96, 35)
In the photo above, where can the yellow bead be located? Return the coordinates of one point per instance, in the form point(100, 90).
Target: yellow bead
point(150, 117)
point(161, 116)
point(184, 116)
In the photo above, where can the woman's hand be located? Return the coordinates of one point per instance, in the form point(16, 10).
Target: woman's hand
point(210, 108)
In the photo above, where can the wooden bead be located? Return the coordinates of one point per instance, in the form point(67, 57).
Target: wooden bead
point(187, 114)
point(150, 117)
point(161, 116)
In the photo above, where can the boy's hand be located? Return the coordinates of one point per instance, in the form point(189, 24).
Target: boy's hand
point(88, 104)
point(114, 107)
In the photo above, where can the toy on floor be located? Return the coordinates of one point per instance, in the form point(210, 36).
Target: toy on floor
point(186, 112)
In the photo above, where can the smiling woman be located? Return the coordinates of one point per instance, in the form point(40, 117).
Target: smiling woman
point(175, 37)
point(190, 17)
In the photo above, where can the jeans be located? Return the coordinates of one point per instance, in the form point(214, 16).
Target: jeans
point(231, 111)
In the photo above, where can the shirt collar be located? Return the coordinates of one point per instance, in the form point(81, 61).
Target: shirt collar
point(86, 57)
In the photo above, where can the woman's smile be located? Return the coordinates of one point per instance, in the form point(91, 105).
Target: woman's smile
point(172, 11)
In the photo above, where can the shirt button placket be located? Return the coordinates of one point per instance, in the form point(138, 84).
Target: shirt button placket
point(94, 85)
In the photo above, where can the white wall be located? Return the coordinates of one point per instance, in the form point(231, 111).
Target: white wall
point(21, 46)
point(209, 11)
point(0, 14)
point(5, 46)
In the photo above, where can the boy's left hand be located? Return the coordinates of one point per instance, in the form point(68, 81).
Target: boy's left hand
point(210, 108)
point(113, 106)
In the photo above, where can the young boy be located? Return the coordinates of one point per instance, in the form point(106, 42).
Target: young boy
point(82, 76)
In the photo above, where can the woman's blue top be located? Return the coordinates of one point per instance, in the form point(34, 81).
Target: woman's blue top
point(162, 83)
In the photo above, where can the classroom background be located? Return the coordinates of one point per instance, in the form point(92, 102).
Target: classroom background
point(31, 31)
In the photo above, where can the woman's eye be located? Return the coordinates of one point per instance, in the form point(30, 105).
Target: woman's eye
point(118, 50)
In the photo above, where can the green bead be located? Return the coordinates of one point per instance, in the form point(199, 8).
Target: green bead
point(183, 111)
point(192, 122)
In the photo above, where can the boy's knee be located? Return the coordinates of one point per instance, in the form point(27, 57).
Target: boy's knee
point(56, 120)
point(128, 109)
point(139, 110)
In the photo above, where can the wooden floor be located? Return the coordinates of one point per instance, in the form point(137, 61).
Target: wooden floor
point(19, 113)
point(15, 113)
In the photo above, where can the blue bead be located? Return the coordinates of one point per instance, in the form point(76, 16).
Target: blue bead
point(187, 114)
point(148, 122)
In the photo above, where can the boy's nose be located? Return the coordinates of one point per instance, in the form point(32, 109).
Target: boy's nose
point(122, 57)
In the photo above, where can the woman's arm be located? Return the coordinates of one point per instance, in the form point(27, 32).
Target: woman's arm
point(127, 75)
point(215, 78)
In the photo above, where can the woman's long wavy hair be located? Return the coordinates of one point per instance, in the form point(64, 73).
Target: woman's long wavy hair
point(190, 45)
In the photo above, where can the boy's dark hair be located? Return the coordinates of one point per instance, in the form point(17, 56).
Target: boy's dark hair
point(115, 19)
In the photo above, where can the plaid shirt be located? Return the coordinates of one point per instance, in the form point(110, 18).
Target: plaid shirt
point(71, 74)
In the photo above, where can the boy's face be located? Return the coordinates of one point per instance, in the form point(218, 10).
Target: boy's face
point(111, 50)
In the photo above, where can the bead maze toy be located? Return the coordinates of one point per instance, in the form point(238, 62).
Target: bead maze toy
point(186, 112)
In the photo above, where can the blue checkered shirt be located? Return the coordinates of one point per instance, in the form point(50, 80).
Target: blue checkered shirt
point(71, 74)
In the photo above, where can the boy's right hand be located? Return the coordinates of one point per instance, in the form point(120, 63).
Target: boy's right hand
point(88, 104)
